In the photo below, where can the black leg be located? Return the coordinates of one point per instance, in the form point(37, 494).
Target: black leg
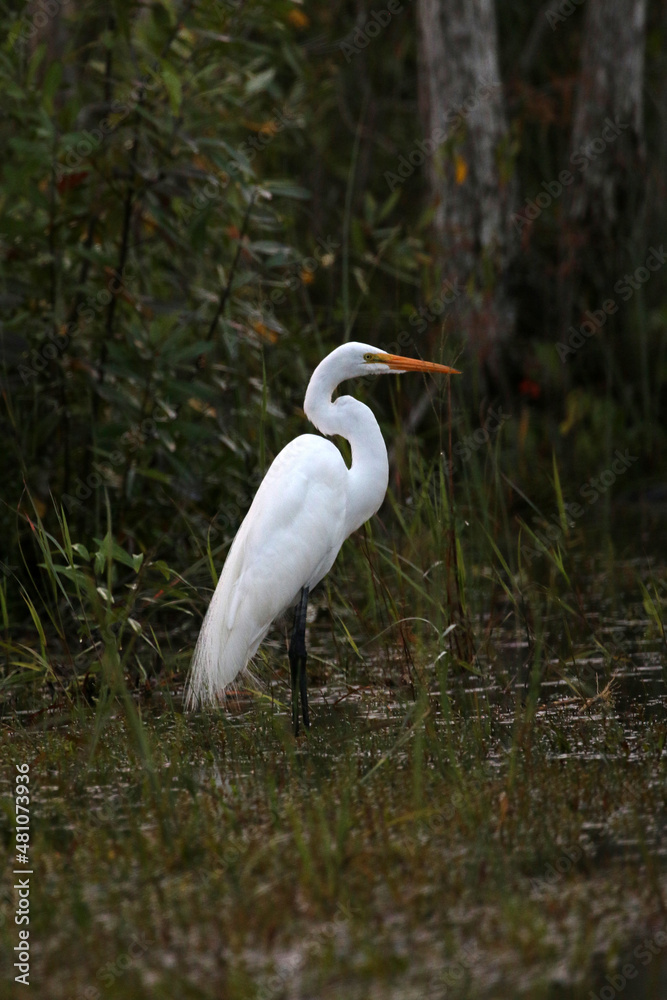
point(297, 660)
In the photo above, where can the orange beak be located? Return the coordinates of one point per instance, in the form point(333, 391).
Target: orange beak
point(399, 364)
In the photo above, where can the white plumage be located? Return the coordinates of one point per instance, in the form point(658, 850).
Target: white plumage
point(306, 506)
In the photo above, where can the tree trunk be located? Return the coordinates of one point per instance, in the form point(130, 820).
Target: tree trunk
point(471, 172)
point(605, 205)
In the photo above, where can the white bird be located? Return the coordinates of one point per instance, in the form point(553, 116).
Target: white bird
point(306, 506)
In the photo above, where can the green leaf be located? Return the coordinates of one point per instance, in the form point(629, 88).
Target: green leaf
point(110, 549)
point(389, 204)
point(287, 189)
point(51, 83)
point(269, 247)
point(174, 90)
point(160, 477)
point(259, 82)
point(71, 573)
point(35, 62)
point(163, 567)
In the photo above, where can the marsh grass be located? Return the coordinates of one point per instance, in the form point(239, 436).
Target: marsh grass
point(468, 816)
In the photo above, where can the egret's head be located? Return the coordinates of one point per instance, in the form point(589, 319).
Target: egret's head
point(355, 360)
point(374, 362)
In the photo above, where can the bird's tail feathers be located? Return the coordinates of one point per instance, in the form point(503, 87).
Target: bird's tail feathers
point(221, 652)
point(219, 655)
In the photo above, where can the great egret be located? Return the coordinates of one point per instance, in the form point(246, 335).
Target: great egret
point(306, 506)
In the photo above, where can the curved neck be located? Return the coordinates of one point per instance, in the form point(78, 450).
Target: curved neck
point(353, 420)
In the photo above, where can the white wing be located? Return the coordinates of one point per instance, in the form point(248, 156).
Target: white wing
point(289, 539)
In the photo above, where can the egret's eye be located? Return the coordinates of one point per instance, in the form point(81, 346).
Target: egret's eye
point(369, 357)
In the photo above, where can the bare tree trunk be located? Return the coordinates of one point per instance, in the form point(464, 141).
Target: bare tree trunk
point(605, 204)
point(471, 173)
